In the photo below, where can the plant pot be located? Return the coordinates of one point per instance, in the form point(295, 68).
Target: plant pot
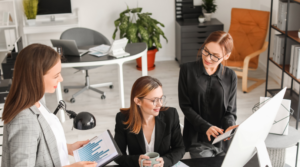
point(207, 16)
point(31, 22)
point(201, 20)
point(150, 60)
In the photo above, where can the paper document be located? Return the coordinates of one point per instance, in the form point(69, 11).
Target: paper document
point(180, 164)
point(224, 136)
point(100, 149)
point(100, 50)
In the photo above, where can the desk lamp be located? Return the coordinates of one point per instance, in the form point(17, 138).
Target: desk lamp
point(82, 121)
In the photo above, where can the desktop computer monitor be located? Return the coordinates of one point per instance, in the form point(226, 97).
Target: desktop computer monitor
point(250, 136)
point(54, 7)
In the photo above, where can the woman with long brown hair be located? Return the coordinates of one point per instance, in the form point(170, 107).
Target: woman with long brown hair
point(148, 126)
point(207, 94)
point(33, 136)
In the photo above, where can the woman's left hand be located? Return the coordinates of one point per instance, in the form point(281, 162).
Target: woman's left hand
point(161, 162)
point(230, 128)
point(75, 146)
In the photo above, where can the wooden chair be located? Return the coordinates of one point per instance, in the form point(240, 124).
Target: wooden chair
point(248, 29)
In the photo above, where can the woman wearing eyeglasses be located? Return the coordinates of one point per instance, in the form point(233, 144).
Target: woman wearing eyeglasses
point(207, 93)
point(148, 126)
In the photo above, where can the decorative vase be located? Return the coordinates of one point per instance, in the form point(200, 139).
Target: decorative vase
point(207, 16)
point(201, 20)
point(150, 60)
point(30, 22)
point(298, 34)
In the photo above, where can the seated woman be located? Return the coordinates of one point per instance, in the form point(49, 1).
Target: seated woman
point(32, 135)
point(207, 93)
point(148, 126)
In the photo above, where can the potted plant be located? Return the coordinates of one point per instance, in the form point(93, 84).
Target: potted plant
point(30, 10)
point(140, 27)
point(201, 18)
point(210, 7)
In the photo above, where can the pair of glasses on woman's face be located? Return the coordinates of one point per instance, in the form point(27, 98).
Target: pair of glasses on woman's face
point(155, 101)
point(213, 57)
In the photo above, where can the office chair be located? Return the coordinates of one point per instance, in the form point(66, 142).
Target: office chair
point(86, 37)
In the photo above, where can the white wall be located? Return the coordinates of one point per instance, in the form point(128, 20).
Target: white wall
point(100, 15)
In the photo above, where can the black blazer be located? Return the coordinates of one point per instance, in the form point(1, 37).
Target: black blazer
point(189, 101)
point(168, 139)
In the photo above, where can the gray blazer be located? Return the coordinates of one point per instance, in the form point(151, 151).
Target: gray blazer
point(28, 141)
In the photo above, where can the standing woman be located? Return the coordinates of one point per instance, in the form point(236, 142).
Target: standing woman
point(148, 126)
point(207, 92)
point(32, 136)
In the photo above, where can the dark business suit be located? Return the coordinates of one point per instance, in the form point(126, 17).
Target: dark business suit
point(168, 139)
point(191, 78)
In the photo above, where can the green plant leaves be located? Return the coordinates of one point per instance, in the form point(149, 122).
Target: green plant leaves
point(30, 8)
point(209, 6)
point(145, 29)
point(136, 10)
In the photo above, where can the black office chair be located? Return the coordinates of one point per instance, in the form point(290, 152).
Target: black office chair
point(86, 37)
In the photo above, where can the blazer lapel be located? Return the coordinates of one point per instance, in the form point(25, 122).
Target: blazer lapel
point(141, 141)
point(159, 132)
point(49, 136)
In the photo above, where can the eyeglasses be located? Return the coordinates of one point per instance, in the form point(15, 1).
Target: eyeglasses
point(206, 53)
point(162, 100)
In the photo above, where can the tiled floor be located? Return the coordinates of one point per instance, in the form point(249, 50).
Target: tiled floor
point(167, 72)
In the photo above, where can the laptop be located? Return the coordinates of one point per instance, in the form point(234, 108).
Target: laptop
point(69, 47)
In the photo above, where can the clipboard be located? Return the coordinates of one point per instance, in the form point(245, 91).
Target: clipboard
point(103, 149)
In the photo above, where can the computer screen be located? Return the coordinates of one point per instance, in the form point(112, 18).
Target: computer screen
point(49, 7)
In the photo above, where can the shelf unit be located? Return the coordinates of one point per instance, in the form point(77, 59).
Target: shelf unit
point(8, 5)
point(285, 67)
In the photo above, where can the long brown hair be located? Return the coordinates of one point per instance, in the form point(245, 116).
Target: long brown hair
point(27, 87)
point(140, 89)
point(222, 38)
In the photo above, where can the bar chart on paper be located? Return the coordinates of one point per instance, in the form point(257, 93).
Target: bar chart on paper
point(100, 149)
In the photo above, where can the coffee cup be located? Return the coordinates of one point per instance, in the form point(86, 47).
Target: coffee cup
point(153, 156)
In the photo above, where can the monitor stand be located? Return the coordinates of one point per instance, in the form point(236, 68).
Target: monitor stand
point(263, 156)
point(52, 19)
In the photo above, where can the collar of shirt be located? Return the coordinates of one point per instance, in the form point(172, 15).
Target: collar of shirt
point(202, 70)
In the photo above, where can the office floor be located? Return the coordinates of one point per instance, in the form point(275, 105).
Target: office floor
point(167, 72)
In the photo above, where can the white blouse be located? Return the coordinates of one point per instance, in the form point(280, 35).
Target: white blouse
point(59, 134)
point(150, 146)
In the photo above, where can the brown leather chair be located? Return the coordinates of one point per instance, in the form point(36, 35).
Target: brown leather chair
point(248, 29)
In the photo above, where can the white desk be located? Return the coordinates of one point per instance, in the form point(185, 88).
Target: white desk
point(139, 50)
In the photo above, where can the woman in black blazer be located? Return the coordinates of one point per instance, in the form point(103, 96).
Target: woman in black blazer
point(207, 92)
point(147, 120)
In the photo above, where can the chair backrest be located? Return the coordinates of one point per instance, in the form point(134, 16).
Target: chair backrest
point(248, 29)
point(85, 36)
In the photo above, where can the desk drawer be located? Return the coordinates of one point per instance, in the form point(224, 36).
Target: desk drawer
point(201, 28)
point(203, 34)
point(188, 59)
point(194, 46)
point(189, 53)
point(193, 40)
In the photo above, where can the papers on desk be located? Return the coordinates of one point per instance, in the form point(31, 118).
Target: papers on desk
point(100, 50)
point(180, 164)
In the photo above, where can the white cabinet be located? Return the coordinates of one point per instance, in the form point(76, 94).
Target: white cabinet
point(6, 41)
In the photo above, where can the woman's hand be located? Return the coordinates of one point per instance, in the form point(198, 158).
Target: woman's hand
point(75, 146)
point(213, 131)
point(145, 162)
point(161, 162)
point(83, 164)
point(230, 128)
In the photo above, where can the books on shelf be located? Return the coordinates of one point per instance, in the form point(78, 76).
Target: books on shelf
point(278, 51)
point(295, 61)
point(294, 23)
point(10, 38)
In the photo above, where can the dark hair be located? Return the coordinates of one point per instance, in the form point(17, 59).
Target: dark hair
point(222, 38)
point(32, 63)
point(140, 89)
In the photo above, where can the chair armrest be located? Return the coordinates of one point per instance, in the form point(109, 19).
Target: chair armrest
point(254, 54)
